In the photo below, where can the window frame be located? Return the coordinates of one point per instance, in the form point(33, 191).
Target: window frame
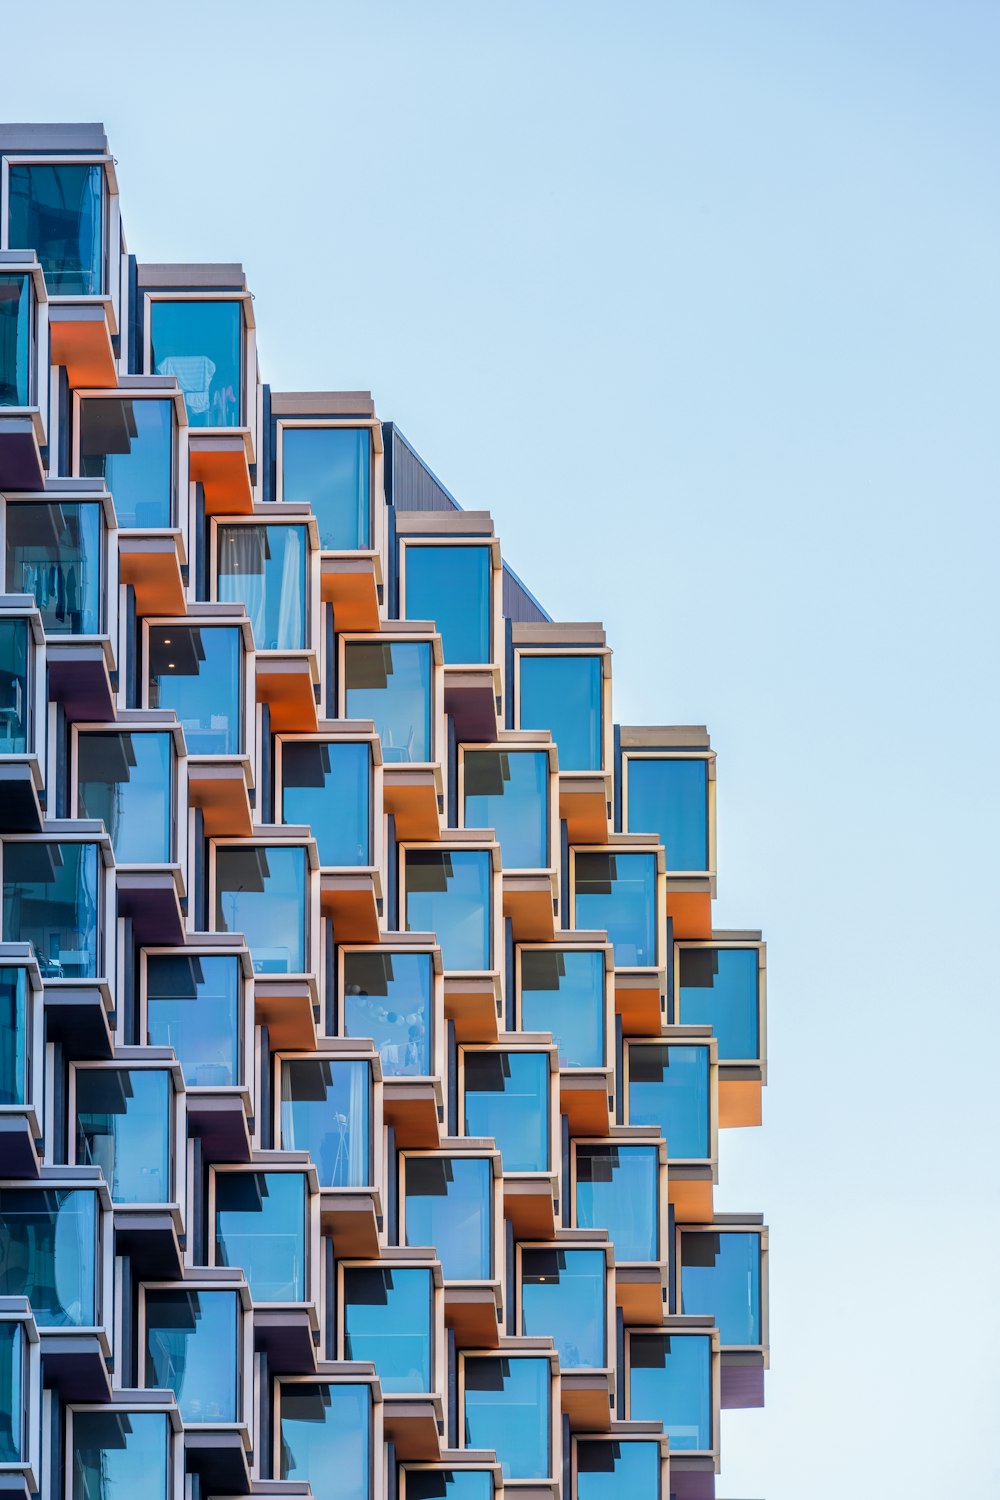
point(154, 1407)
point(179, 502)
point(494, 663)
point(461, 1148)
point(395, 636)
point(376, 497)
point(264, 517)
point(248, 1089)
point(730, 942)
point(143, 1059)
point(453, 845)
point(14, 262)
point(111, 225)
point(198, 1281)
point(178, 862)
point(247, 426)
point(85, 1180)
point(82, 831)
point(36, 686)
point(733, 1224)
point(395, 1259)
point(623, 1437)
point(438, 1049)
point(341, 732)
point(522, 747)
point(629, 1136)
point(519, 1042)
point(606, 1247)
point(107, 636)
point(521, 651)
point(618, 845)
point(336, 1050)
point(711, 829)
point(510, 1350)
point(357, 1376)
point(201, 619)
point(271, 836)
point(17, 955)
point(405, 1468)
point(564, 942)
point(681, 1037)
point(269, 1163)
point(681, 1327)
point(18, 1310)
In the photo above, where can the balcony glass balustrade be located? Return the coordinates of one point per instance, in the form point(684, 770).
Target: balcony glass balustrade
point(201, 345)
point(59, 211)
point(389, 682)
point(329, 468)
point(388, 1320)
point(388, 997)
point(130, 445)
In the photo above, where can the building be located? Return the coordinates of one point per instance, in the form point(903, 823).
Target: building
point(364, 1036)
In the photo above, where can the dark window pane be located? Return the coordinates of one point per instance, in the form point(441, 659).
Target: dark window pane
point(563, 694)
point(719, 988)
point(198, 672)
point(16, 341)
point(563, 992)
point(48, 1253)
point(390, 683)
point(720, 1275)
point(507, 1409)
point(451, 586)
point(563, 1296)
point(124, 1125)
point(449, 1204)
point(449, 892)
point(617, 1189)
point(15, 1036)
point(129, 444)
point(51, 899)
point(12, 1344)
point(616, 893)
point(119, 1453)
point(261, 891)
point(260, 1224)
point(58, 211)
point(509, 792)
point(192, 1349)
point(55, 552)
point(16, 689)
point(668, 1087)
point(670, 1381)
point(329, 787)
point(507, 1097)
point(201, 345)
point(325, 1438)
point(329, 468)
point(670, 798)
point(387, 1319)
point(449, 1484)
point(387, 996)
point(264, 569)
point(126, 781)
point(193, 1005)
point(326, 1110)
point(607, 1470)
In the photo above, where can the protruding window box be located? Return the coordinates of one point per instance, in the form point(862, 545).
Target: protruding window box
point(202, 668)
point(332, 781)
point(265, 1218)
point(672, 1375)
point(21, 1406)
point(22, 714)
point(328, 1432)
point(632, 1460)
point(57, 1250)
point(618, 888)
point(672, 1083)
point(129, 1121)
point(721, 1272)
point(329, 1103)
point(567, 1291)
point(461, 1474)
point(134, 1446)
point(22, 1060)
point(723, 984)
point(510, 1093)
point(509, 1401)
point(512, 787)
point(450, 571)
point(453, 1200)
point(392, 1313)
point(620, 1184)
point(24, 370)
point(395, 994)
point(668, 788)
point(569, 991)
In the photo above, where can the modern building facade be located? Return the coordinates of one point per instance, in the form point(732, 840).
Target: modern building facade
point(365, 1039)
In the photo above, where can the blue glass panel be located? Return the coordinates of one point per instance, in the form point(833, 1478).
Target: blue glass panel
point(390, 683)
point(563, 694)
point(387, 1319)
point(126, 782)
point(616, 893)
point(719, 989)
point(329, 468)
point(201, 345)
point(329, 787)
point(55, 552)
point(668, 1087)
point(16, 689)
point(261, 891)
point(326, 1110)
point(670, 1381)
point(670, 798)
point(720, 1275)
point(48, 1253)
point(130, 445)
point(260, 1224)
point(563, 1295)
point(11, 1393)
point(118, 1454)
point(449, 892)
point(507, 1409)
point(563, 992)
point(449, 1484)
point(58, 211)
point(606, 1470)
point(326, 1438)
point(387, 996)
point(124, 1125)
point(507, 1097)
point(15, 1038)
point(617, 1189)
point(16, 341)
point(451, 586)
point(198, 672)
point(509, 791)
point(192, 1349)
point(51, 898)
point(449, 1204)
point(193, 1005)
point(264, 569)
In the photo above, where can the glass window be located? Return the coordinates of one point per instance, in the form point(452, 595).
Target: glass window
point(719, 988)
point(261, 891)
point(260, 1224)
point(11, 1393)
point(668, 1087)
point(563, 694)
point(201, 345)
point(507, 1408)
point(124, 1125)
point(720, 1275)
point(326, 1438)
point(390, 683)
point(616, 894)
point(618, 1189)
point(198, 672)
point(329, 468)
point(670, 1381)
point(329, 787)
point(51, 898)
point(48, 1253)
point(130, 445)
point(507, 1097)
point(563, 1295)
point(119, 1453)
point(15, 1036)
point(326, 1110)
point(509, 792)
point(451, 586)
point(562, 991)
point(449, 892)
point(16, 688)
point(192, 1349)
point(194, 1005)
point(449, 1484)
point(670, 798)
point(55, 552)
point(387, 1319)
point(606, 1470)
point(58, 211)
point(264, 569)
point(126, 781)
point(16, 341)
point(449, 1204)
point(387, 996)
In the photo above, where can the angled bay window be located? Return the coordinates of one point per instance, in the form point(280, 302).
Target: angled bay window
point(324, 1434)
point(449, 1202)
point(266, 569)
point(564, 991)
point(199, 672)
point(60, 210)
point(56, 552)
point(330, 469)
point(192, 1342)
point(328, 784)
point(18, 363)
point(194, 1003)
point(127, 1123)
point(618, 894)
point(325, 1108)
point(390, 682)
point(128, 780)
point(722, 987)
point(20, 1020)
point(22, 689)
point(564, 1295)
point(607, 1468)
point(52, 1251)
point(669, 795)
point(200, 342)
point(565, 694)
point(721, 1276)
point(131, 443)
point(671, 1378)
point(507, 1095)
point(508, 791)
point(669, 1086)
point(451, 585)
point(450, 892)
point(617, 1188)
point(507, 1406)
point(54, 898)
point(389, 996)
point(427, 1482)
point(261, 1222)
point(262, 890)
point(112, 1451)
point(388, 1318)
point(13, 1391)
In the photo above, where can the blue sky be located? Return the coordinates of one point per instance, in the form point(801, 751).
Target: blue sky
point(701, 300)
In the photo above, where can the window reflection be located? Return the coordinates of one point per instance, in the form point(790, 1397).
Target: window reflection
point(563, 1296)
point(48, 1253)
point(449, 1484)
point(564, 694)
point(57, 210)
point(193, 1005)
point(616, 893)
point(390, 683)
point(670, 1381)
point(192, 1349)
point(507, 1409)
point(329, 468)
point(264, 569)
point(12, 1422)
point(197, 671)
point(606, 1470)
point(387, 1319)
point(129, 444)
point(668, 1087)
point(509, 792)
point(449, 1204)
point(15, 1036)
point(126, 782)
point(562, 991)
point(720, 1276)
point(451, 586)
point(260, 1225)
point(16, 688)
point(55, 552)
point(617, 1189)
point(326, 1110)
point(124, 1125)
point(201, 345)
point(325, 1438)
point(51, 898)
point(118, 1453)
point(387, 996)
point(261, 891)
point(669, 797)
point(449, 892)
point(719, 988)
point(507, 1098)
point(16, 341)
point(328, 786)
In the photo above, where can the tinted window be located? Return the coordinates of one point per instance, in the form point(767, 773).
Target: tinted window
point(192, 1349)
point(201, 345)
point(11, 1393)
point(720, 1275)
point(264, 569)
point(449, 892)
point(617, 1189)
point(124, 1125)
point(16, 341)
point(328, 786)
point(58, 211)
point(129, 444)
point(126, 782)
point(118, 1453)
point(509, 792)
point(719, 988)
point(563, 1296)
point(387, 996)
point(387, 1319)
point(449, 1204)
point(193, 1005)
point(668, 1087)
point(51, 899)
point(390, 683)
point(507, 1409)
point(608, 1470)
point(616, 893)
point(198, 672)
point(261, 891)
point(670, 1381)
point(55, 552)
point(507, 1098)
point(260, 1224)
point(563, 992)
point(670, 798)
point(563, 694)
point(329, 468)
point(48, 1253)
point(16, 689)
point(451, 586)
point(326, 1110)
point(15, 1038)
point(325, 1438)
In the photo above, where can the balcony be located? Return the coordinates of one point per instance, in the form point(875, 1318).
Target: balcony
point(566, 1290)
point(619, 889)
point(673, 1084)
point(668, 788)
point(509, 1402)
point(327, 1430)
point(397, 682)
point(509, 1094)
point(672, 1376)
point(632, 1460)
point(512, 787)
point(721, 1272)
point(568, 992)
point(22, 1060)
point(131, 1447)
point(22, 715)
point(723, 984)
point(24, 371)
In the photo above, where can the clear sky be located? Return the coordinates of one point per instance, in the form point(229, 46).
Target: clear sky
point(700, 298)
